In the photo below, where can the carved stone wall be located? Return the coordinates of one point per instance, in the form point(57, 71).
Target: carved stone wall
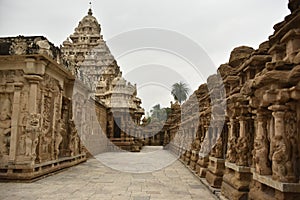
point(40, 129)
point(256, 156)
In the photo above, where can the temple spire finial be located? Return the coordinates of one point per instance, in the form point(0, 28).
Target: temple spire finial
point(90, 9)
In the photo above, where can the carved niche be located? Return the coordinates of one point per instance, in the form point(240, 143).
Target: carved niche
point(50, 91)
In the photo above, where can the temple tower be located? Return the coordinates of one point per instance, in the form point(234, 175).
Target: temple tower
point(96, 66)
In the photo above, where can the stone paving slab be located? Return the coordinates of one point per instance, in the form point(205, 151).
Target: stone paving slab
point(94, 180)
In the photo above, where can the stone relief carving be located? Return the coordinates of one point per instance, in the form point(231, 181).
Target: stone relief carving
point(10, 76)
point(205, 147)
point(242, 149)
point(196, 144)
point(260, 156)
point(284, 151)
point(32, 133)
point(5, 124)
point(74, 139)
point(50, 109)
point(291, 135)
point(231, 151)
point(45, 138)
point(18, 47)
point(281, 165)
point(60, 130)
point(44, 47)
point(218, 148)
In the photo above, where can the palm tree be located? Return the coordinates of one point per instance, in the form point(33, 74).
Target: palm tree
point(180, 91)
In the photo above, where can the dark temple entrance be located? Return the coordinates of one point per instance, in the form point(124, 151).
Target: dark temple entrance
point(117, 130)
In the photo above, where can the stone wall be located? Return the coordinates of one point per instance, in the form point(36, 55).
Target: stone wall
point(93, 134)
point(246, 141)
point(41, 108)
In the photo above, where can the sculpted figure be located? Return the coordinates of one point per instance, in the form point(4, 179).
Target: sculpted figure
point(73, 142)
point(242, 150)
point(58, 137)
point(218, 148)
point(205, 147)
point(196, 145)
point(5, 126)
point(281, 164)
point(33, 130)
point(260, 157)
point(231, 152)
point(28, 146)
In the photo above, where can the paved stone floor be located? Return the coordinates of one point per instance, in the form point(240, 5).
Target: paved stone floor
point(94, 180)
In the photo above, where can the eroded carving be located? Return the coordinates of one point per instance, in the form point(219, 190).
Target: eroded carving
point(18, 47)
point(5, 124)
point(243, 151)
point(33, 131)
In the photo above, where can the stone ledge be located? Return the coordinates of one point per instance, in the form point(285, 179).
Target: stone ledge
point(40, 171)
point(237, 168)
point(203, 155)
point(218, 160)
point(283, 187)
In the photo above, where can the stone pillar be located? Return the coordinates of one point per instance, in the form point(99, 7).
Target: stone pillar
point(278, 114)
point(232, 139)
point(237, 176)
point(242, 148)
point(282, 167)
point(283, 182)
point(35, 132)
point(216, 167)
point(14, 124)
point(261, 145)
point(292, 41)
point(34, 82)
point(203, 160)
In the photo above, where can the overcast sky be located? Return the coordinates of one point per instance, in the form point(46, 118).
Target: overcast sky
point(193, 29)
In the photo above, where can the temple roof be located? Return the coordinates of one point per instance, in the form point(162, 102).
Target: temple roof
point(88, 26)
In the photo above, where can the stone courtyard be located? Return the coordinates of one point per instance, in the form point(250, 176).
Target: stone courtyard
point(93, 180)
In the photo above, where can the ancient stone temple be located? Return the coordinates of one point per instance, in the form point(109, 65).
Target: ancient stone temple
point(58, 105)
point(37, 131)
point(256, 152)
point(96, 66)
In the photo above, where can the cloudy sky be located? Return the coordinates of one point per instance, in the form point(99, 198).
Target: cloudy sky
point(156, 42)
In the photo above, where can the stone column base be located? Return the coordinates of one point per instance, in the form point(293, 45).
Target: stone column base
point(236, 181)
point(231, 193)
point(214, 174)
point(187, 157)
point(194, 159)
point(182, 154)
point(265, 188)
point(201, 166)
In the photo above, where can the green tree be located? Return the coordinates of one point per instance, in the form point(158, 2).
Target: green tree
point(180, 91)
point(158, 113)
